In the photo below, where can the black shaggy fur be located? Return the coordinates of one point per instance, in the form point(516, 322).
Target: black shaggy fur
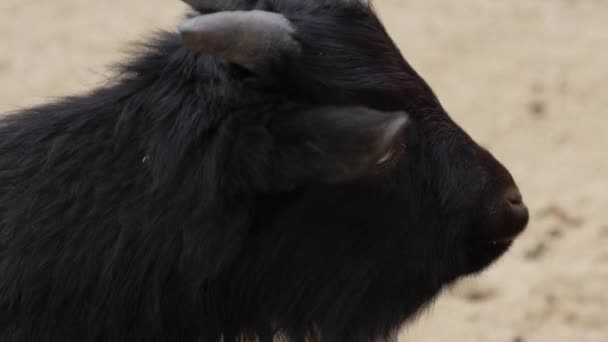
point(180, 203)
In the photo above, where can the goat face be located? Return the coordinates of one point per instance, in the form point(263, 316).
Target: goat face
point(369, 198)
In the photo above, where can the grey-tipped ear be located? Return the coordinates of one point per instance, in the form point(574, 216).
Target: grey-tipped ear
point(251, 39)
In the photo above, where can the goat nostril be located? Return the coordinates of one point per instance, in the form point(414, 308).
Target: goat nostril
point(513, 196)
point(517, 209)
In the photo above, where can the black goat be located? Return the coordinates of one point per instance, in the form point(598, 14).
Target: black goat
point(278, 170)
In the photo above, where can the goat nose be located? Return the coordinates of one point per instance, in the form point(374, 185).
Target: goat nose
point(513, 196)
point(516, 208)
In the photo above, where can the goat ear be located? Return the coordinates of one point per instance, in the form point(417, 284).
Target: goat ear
point(251, 39)
point(333, 145)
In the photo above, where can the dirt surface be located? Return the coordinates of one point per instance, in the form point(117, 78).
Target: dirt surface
point(527, 79)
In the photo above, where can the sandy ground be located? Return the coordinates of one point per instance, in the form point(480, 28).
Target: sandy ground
point(526, 78)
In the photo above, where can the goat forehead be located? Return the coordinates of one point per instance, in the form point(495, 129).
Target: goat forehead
point(307, 6)
point(278, 5)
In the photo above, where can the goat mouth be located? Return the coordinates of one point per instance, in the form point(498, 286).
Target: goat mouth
point(491, 245)
point(482, 253)
point(499, 246)
point(503, 241)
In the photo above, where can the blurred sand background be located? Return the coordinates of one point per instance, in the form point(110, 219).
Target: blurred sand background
point(526, 78)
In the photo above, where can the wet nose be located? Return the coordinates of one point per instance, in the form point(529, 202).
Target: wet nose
point(516, 210)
